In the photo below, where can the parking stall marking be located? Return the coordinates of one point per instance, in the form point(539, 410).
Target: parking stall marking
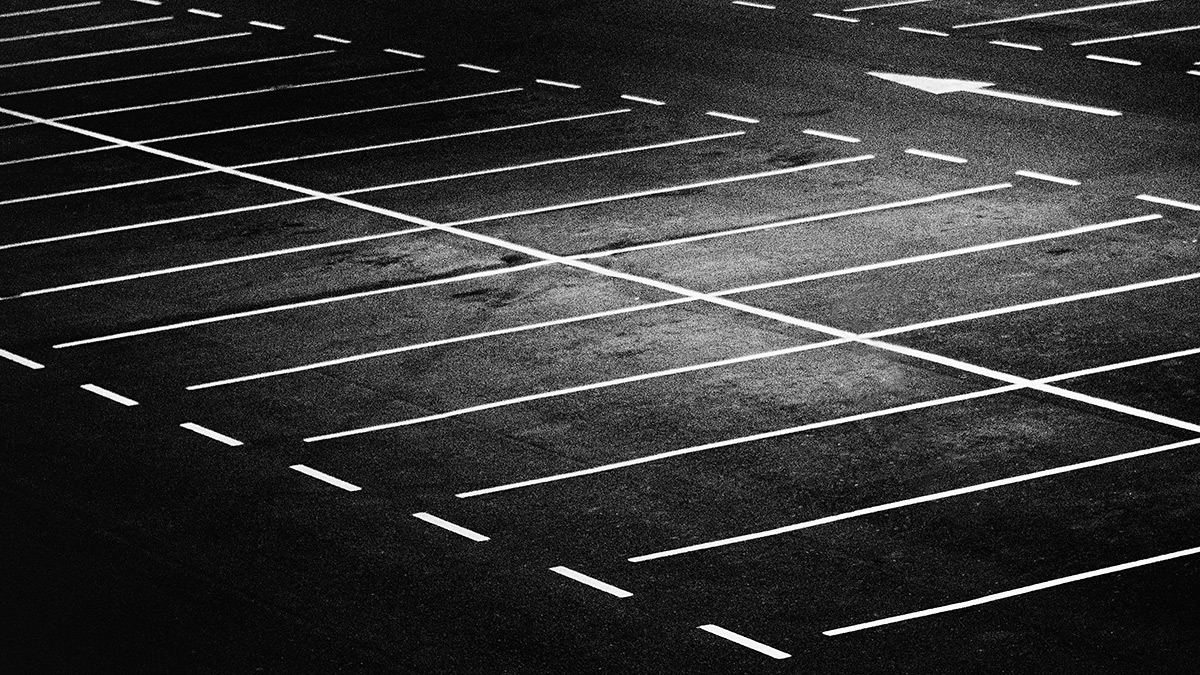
point(556, 83)
point(735, 118)
point(109, 394)
point(58, 8)
point(591, 581)
point(330, 38)
point(885, 5)
point(16, 358)
point(401, 52)
point(161, 45)
point(209, 433)
point(1169, 202)
point(101, 188)
point(85, 29)
point(1015, 45)
point(322, 476)
point(744, 641)
point(447, 525)
point(205, 12)
point(1135, 36)
point(642, 99)
point(834, 17)
point(756, 5)
point(832, 136)
point(264, 24)
point(1047, 177)
point(936, 155)
point(923, 31)
point(1111, 59)
point(1040, 15)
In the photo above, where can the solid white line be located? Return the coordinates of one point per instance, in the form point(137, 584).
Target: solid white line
point(203, 12)
point(401, 52)
point(886, 4)
point(556, 83)
point(834, 17)
point(165, 72)
point(1112, 59)
point(1015, 45)
point(804, 219)
point(1017, 591)
point(330, 38)
point(71, 153)
point(149, 2)
point(101, 188)
point(591, 581)
point(1146, 360)
point(1135, 35)
point(753, 4)
point(428, 139)
point(1193, 72)
point(904, 503)
point(321, 475)
point(482, 69)
point(1039, 15)
point(89, 55)
point(447, 525)
point(1046, 101)
point(737, 441)
point(28, 363)
point(657, 191)
point(106, 26)
point(735, 118)
point(297, 305)
point(264, 24)
point(744, 641)
point(836, 137)
point(642, 99)
point(1169, 202)
point(935, 155)
point(49, 9)
point(110, 395)
point(924, 31)
point(204, 431)
point(1048, 177)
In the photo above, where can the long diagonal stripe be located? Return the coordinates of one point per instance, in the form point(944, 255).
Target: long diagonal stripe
point(1040, 15)
point(57, 8)
point(85, 29)
point(107, 52)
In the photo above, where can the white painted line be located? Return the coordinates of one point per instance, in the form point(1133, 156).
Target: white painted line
point(110, 395)
point(203, 12)
point(1135, 35)
point(50, 9)
point(935, 155)
point(1169, 202)
point(321, 475)
point(1113, 59)
point(744, 641)
point(297, 305)
point(1047, 102)
point(101, 188)
point(204, 431)
point(836, 137)
point(834, 17)
point(482, 69)
point(32, 36)
point(886, 4)
point(330, 38)
point(447, 525)
point(401, 52)
point(591, 581)
point(89, 55)
point(1145, 360)
point(1048, 177)
point(72, 153)
point(805, 219)
point(149, 2)
point(1015, 45)
point(658, 191)
point(556, 83)
point(1193, 72)
point(736, 118)
point(904, 503)
point(642, 99)
point(1039, 15)
point(162, 73)
point(28, 363)
point(264, 24)
point(756, 5)
point(924, 31)
point(1015, 592)
point(737, 441)
point(428, 139)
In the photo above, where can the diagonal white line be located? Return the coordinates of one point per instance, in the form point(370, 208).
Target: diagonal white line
point(58, 8)
point(1039, 15)
point(886, 4)
point(322, 476)
point(590, 581)
point(744, 641)
point(447, 525)
point(34, 36)
point(15, 358)
point(1134, 36)
point(108, 394)
point(107, 52)
point(101, 188)
point(216, 436)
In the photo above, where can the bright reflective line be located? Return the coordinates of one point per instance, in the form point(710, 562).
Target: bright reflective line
point(834, 17)
point(264, 24)
point(1048, 177)
point(1015, 45)
point(642, 99)
point(924, 31)
point(591, 581)
point(1045, 101)
point(447, 525)
point(744, 641)
point(735, 118)
point(28, 363)
point(1135, 35)
point(106, 26)
point(1146, 360)
point(404, 53)
point(101, 188)
point(556, 83)
point(204, 12)
point(1169, 202)
point(321, 475)
point(753, 4)
point(886, 4)
point(935, 155)
point(482, 69)
point(38, 158)
point(205, 431)
point(1017, 591)
point(49, 9)
point(1112, 59)
point(110, 395)
point(1055, 13)
point(836, 137)
point(89, 55)
point(330, 38)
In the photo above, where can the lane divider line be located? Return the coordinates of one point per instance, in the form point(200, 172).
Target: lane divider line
point(204, 12)
point(735, 118)
point(744, 641)
point(109, 394)
point(264, 24)
point(1048, 177)
point(1169, 202)
point(885, 5)
point(28, 363)
point(107, 52)
point(86, 29)
point(331, 38)
point(936, 155)
point(591, 581)
point(556, 83)
point(1113, 59)
point(216, 436)
point(1040, 15)
point(1015, 45)
point(834, 17)
point(482, 69)
point(1135, 36)
point(756, 5)
point(642, 99)
point(447, 525)
point(57, 8)
point(102, 188)
point(923, 31)
point(832, 136)
point(322, 476)
point(401, 52)
point(149, 2)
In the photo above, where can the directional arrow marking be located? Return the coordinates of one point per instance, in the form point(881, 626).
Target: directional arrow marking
point(939, 85)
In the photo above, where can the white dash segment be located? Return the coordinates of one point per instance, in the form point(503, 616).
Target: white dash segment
point(447, 525)
point(58, 8)
point(935, 155)
point(110, 395)
point(330, 38)
point(216, 436)
point(1014, 592)
point(834, 17)
point(401, 52)
point(744, 641)
point(1039, 15)
point(924, 31)
point(885, 5)
point(149, 2)
point(1015, 45)
point(642, 99)
point(1169, 202)
point(482, 69)
point(735, 118)
point(1193, 72)
point(205, 12)
point(556, 83)
point(1113, 59)
point(1134, 36)
point(264, 24)
point(321, 475)
point(591, 581)
point(1047, 177)
point(28, 363)
point(836, 137)
point(756, 5)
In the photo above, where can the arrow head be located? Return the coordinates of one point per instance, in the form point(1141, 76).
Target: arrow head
point(933, 85)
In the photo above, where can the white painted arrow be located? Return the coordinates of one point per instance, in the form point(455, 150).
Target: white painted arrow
point(939, 85)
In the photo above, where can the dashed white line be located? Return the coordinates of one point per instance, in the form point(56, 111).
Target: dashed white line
point(1015, 592)
point(331, 38)
point(1113, 59)
point(216, 436)
point(1135, 36)
point(836, 137)
point(58, 8)
point(556, 83)
point(108, 394)
point(756, 5)
point(642, 99)
point(322, 476)
point(482, 69)
point(834, 17)
point(735, 118)
point(935, 155)
point(744, 641)
point(28, 363)
point(1047, 177)
point(205, 12)
point(401, 52)
point(1169, 202)
point(885, 5)
point(264, 24)
point(591, 581)
point(86, 29)
point(108, 52)
point(1015, 45)
point(1039, 15)
point(923, 31)
point(447, 525)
